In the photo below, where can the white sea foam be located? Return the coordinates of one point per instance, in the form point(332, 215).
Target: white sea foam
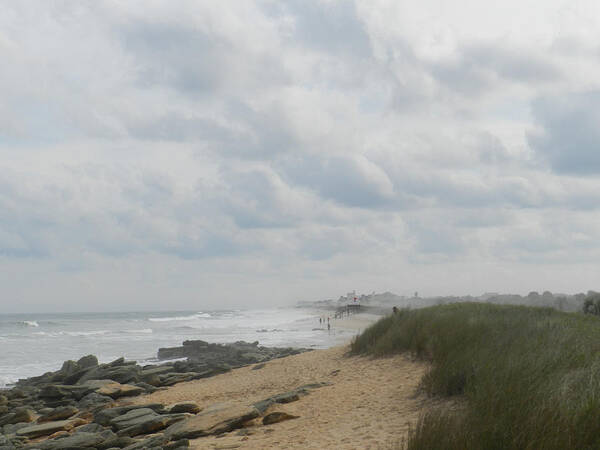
point(85, 333)
point(140, 331)
point(199, 315)
point(29, 323)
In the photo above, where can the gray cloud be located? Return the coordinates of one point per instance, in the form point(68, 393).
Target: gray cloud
point(477, 68)
point(354, 182)
point(569, 135)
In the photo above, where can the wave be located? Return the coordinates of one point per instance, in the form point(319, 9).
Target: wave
point(72, 333)
point(7, 381)
point(199, 315)
point(139, 331)
point(28, 323)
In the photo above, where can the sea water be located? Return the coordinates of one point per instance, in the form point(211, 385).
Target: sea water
point(32, 344)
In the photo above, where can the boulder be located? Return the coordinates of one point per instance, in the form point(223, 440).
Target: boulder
point(121, 373)
point(20, 415)
point(132, 417)
point(77, 441)
point(60, 413)
point(90, 428)
point(217, 419)
point(103, 417)
point(94, 400)
point(149, 425)
point(184, 407)
point(68, 368)
point(158, 441)
point(174, 378)
point(47, 428)
point(117, 390)
point(61, 391)
point(276, 417)
point(87, 361)
point(3, 400)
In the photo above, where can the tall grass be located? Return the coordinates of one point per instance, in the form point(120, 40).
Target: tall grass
point(530, 376)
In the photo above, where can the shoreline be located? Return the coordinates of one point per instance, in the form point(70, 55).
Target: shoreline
point(342, 395)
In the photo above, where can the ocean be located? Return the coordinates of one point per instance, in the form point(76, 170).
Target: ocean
point(32, 344)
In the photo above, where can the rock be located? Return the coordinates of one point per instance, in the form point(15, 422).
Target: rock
point(121, 373)
point(132, 417)
point(117, 390)
point(118, 442)
point(181, 443)
point(68, 368)
point(174, 378)
point(148, 388)
point(150, 425)
point(46, 429)
point(20, 415)
point(60, 391)
point(117, 362)
point(87, 361)
point(315, 385)
point(184, 407)
point(93, 400)
point(288, 397)
point(3, 400)
point(216, 419)
point(156, 370)
point(171, 353)
point(77, 441)
point(104, 416)
point(158, 440)
point(90, 428)
point(60, 413)
point(276, 417)
point(12, 428)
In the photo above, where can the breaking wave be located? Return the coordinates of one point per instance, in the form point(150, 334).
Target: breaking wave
point(199, 315)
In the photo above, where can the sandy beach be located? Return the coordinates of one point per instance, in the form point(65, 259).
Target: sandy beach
point(367, 404)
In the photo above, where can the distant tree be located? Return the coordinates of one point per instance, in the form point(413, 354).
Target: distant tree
point(591, 304)
point(560, 303)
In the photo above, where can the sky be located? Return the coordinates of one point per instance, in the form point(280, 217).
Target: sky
point(160, 155)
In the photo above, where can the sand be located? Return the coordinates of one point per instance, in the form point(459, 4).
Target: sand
point(369, 404)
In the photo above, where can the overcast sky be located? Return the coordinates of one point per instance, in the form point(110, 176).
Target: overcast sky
point(204, 154)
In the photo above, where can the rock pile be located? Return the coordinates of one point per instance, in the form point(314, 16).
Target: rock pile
point(73, 408)
point(203, 355)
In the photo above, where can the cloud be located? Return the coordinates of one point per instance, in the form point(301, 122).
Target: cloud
point(350, 181)
point(568, 133)
point(307, 144)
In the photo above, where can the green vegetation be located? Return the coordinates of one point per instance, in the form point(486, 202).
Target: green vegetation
point(530, 377)
point(591, 304)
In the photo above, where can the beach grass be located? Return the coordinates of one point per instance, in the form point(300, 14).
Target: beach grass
point(529, 378)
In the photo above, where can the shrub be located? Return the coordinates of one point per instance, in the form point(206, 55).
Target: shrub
point(530, 376)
